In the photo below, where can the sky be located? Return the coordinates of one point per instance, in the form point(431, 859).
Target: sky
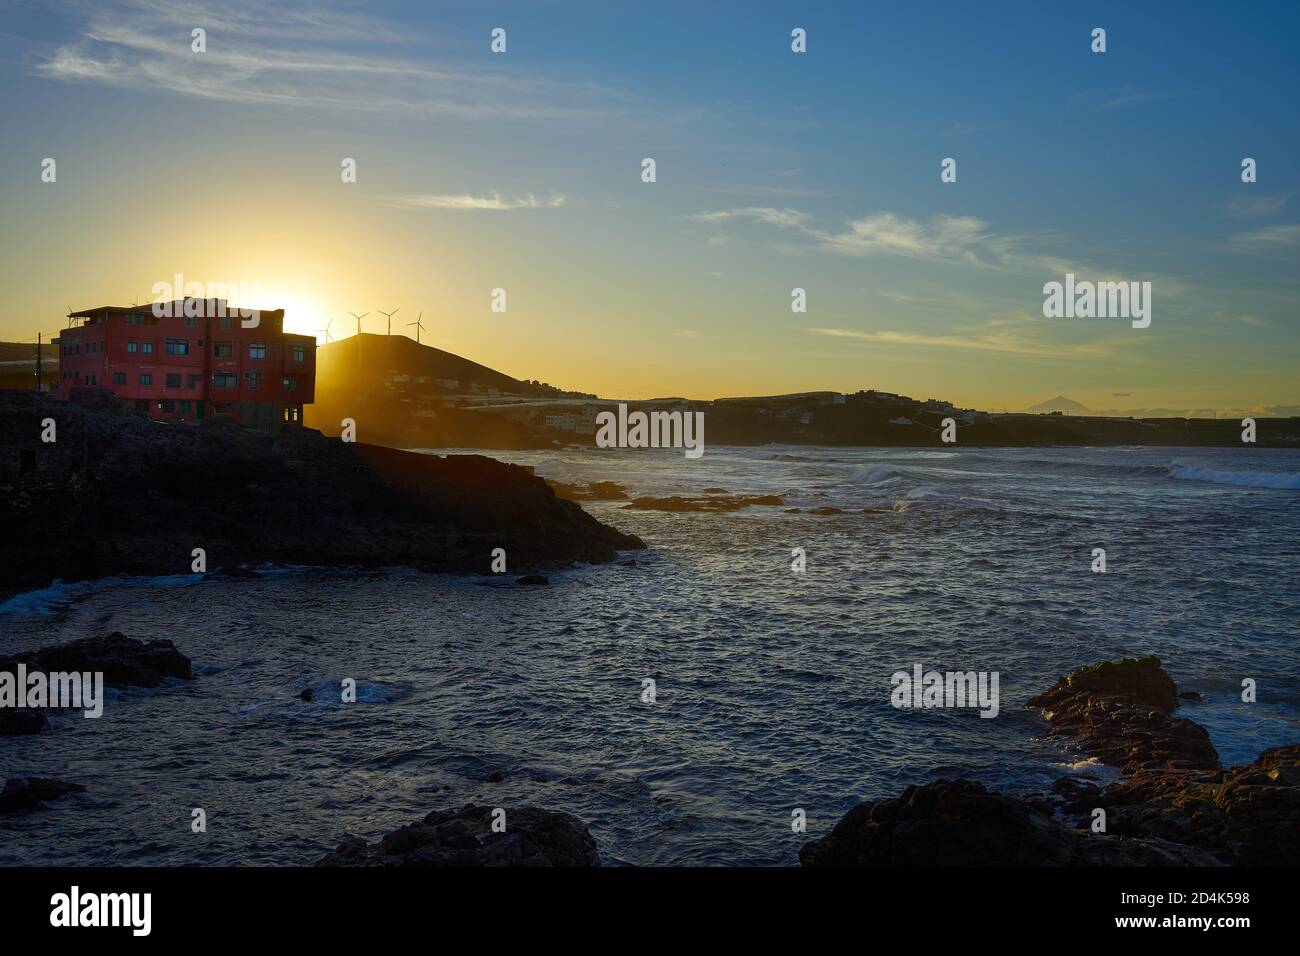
point(774, 170)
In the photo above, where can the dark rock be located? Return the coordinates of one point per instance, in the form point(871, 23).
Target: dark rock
point(1190, 695)
point(464, 837)
point(308, 695)
point(124, 661)
point(826, 510)
point(678, 503)
point(595, 491)
point(120, 494)
point(716, 491)
point(27, 793)
point(240, 573)
point(959, 823)
point(1120, 711)
point(534, 580)
point(630, 563)
point(15, 723)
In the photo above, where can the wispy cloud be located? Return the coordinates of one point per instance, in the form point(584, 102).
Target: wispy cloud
point(302, 56)
point(961, 239)
point(1005, 342)
point(1276, 238)
point(1254, 207)
point(468, 203)
point(1117, 97)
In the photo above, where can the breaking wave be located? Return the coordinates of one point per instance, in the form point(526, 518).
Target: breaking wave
point(1242, 479)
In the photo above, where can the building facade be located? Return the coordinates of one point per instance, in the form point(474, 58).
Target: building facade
point(185, 367)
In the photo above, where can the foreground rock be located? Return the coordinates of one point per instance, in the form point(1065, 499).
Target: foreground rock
point(711, 503)
point(1175, 805)
point(464, 838)
point(959, 823)
point(28, 793)
point(117, 493)
point(124, 662)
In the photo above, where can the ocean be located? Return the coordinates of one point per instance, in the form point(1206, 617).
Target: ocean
point(772, 687)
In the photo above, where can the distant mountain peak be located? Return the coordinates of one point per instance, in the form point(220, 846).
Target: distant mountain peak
point(1060, 403)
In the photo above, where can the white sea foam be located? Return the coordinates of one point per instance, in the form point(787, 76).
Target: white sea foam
point(1242, 479)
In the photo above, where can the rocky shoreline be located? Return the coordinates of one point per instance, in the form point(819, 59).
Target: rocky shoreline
point(1175, 805)
point(118, 494)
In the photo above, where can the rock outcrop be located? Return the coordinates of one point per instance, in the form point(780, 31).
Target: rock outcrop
point(1122, 713)
point(465, 837)
point(124, 662)
point(117, 493)
point(960, 823)
point(28, 793)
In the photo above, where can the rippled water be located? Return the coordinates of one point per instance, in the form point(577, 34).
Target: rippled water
point(773, 688)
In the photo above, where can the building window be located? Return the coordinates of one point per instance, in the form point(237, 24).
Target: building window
point(133, 319)
point(146, 378)
point(227, 322)
point(193, 381)
point(299, 353)
point(142, 405)
point(167, 405)
point(185, 408)
point(119, 378)
point(290, 383)
point(178, 346)
point(173, 379)
point(254, 379)
point(146, 348)
point(132, 348)
point(222, 349)
point(191, 320)
point(221, 380)
point(257, 351)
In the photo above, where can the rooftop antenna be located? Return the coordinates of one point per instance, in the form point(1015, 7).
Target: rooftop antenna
point(390, 318)
point(418, 327)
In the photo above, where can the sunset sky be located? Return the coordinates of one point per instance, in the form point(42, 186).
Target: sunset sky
point(775, 170)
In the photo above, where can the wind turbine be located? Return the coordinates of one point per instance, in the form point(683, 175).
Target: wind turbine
point(326, 330)
point(390, 318)
point(418, 327)
point(358, 318)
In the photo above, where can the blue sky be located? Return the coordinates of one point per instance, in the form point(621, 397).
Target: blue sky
point(775, 170)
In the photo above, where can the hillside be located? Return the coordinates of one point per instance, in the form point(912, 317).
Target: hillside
point(18, 364)
point(1066, 406)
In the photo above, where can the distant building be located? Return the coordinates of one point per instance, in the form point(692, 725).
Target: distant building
point(187, 368)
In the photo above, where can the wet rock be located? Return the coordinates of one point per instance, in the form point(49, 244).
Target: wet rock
point(1121, 713)
point(595, 491)
point(307, 694)
point(28, 793)
point(677, 503)
point(826, 510)
point(716, 491)
point(240, 573)
point(124, 661)
point(1190, 695)
point(960, 823)
point(464, 837)
point(534, 580)
point(16, 723)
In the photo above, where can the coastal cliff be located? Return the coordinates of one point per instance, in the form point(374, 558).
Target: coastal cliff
point(116, 493)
